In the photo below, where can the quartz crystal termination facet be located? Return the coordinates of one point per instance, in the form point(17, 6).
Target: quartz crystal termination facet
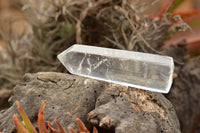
point(135, 69)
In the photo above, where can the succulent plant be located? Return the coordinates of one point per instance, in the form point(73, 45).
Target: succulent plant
point(26, 126)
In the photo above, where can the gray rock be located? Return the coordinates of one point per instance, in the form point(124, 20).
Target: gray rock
point(110, 107)
point(185, 94)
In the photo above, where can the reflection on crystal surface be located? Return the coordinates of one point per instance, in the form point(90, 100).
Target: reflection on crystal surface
point(141, 70)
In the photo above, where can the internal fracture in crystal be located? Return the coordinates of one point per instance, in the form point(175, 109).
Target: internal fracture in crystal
point(135, 69)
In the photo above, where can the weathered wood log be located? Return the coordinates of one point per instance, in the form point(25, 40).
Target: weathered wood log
point(109, 107)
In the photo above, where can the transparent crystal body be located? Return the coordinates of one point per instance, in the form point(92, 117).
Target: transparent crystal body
point(135, 69)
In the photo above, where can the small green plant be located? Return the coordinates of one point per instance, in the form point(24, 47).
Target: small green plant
point(27, 127)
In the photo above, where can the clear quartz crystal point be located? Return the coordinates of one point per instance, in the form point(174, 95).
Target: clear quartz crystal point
point(141, 70)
